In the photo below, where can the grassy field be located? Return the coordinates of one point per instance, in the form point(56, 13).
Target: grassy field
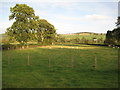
point(89, 37)
point(61, 66)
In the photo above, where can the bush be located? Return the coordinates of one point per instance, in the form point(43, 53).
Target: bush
point(8, 46)
point(11, 46)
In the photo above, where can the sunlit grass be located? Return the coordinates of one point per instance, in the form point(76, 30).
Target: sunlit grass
point(68, 47)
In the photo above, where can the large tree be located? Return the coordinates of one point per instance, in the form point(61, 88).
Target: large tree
point(46, 32)
point(113, 37)
point(24, 25)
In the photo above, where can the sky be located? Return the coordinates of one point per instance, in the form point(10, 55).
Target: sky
point(68, 16)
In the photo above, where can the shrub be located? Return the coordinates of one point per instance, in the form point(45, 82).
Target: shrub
point(8, 46)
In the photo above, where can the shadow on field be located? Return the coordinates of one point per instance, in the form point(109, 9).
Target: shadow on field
point(98, 44)
point(76, 45)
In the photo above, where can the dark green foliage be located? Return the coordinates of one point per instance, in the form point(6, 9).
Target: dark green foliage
point(113, 37)
point(10, 46)
point(28, 27)
point(24, 24)
point(118, 21)
point(46, 32)
point(18, 46)
point(116, 33)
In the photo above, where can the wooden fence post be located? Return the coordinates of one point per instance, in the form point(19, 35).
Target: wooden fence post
point(8, 59)
point(49, 62)
point(95, 62)
point(28, 59)
point(118, 59)
point(72, 61)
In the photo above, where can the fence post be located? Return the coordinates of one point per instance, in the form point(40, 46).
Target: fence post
point(8, 59)
point(49, 62)
point(118, 66)
point(28, 59)
point(72, 61)
point(118, 59)
point(95, 62)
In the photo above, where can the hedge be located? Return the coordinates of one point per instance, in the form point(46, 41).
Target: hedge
point(11, 46)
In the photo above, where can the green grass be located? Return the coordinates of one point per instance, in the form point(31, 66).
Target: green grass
point(59, 73)
point(89, 37)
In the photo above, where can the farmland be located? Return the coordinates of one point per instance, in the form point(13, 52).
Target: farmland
point(36, 54)
point(68, 38)
point(87, 36)
point(61, 66)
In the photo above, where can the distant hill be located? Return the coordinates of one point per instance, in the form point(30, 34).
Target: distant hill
point(86, 33)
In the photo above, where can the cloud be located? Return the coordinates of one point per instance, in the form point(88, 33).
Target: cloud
point(86, 23)
point(97, 17)
point(70, 24)
point(92, 17)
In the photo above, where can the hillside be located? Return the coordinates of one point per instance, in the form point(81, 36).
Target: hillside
point(85, 33)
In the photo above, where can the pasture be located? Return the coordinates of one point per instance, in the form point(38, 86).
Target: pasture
point(89, 36)
point(61, 66)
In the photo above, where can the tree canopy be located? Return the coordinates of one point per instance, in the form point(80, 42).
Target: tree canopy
point(24, 23)
point(118, 21)
point(113, 37)
point(46, 31)
point(27, 26)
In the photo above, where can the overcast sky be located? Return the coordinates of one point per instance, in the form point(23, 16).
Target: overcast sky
point(68, 16)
